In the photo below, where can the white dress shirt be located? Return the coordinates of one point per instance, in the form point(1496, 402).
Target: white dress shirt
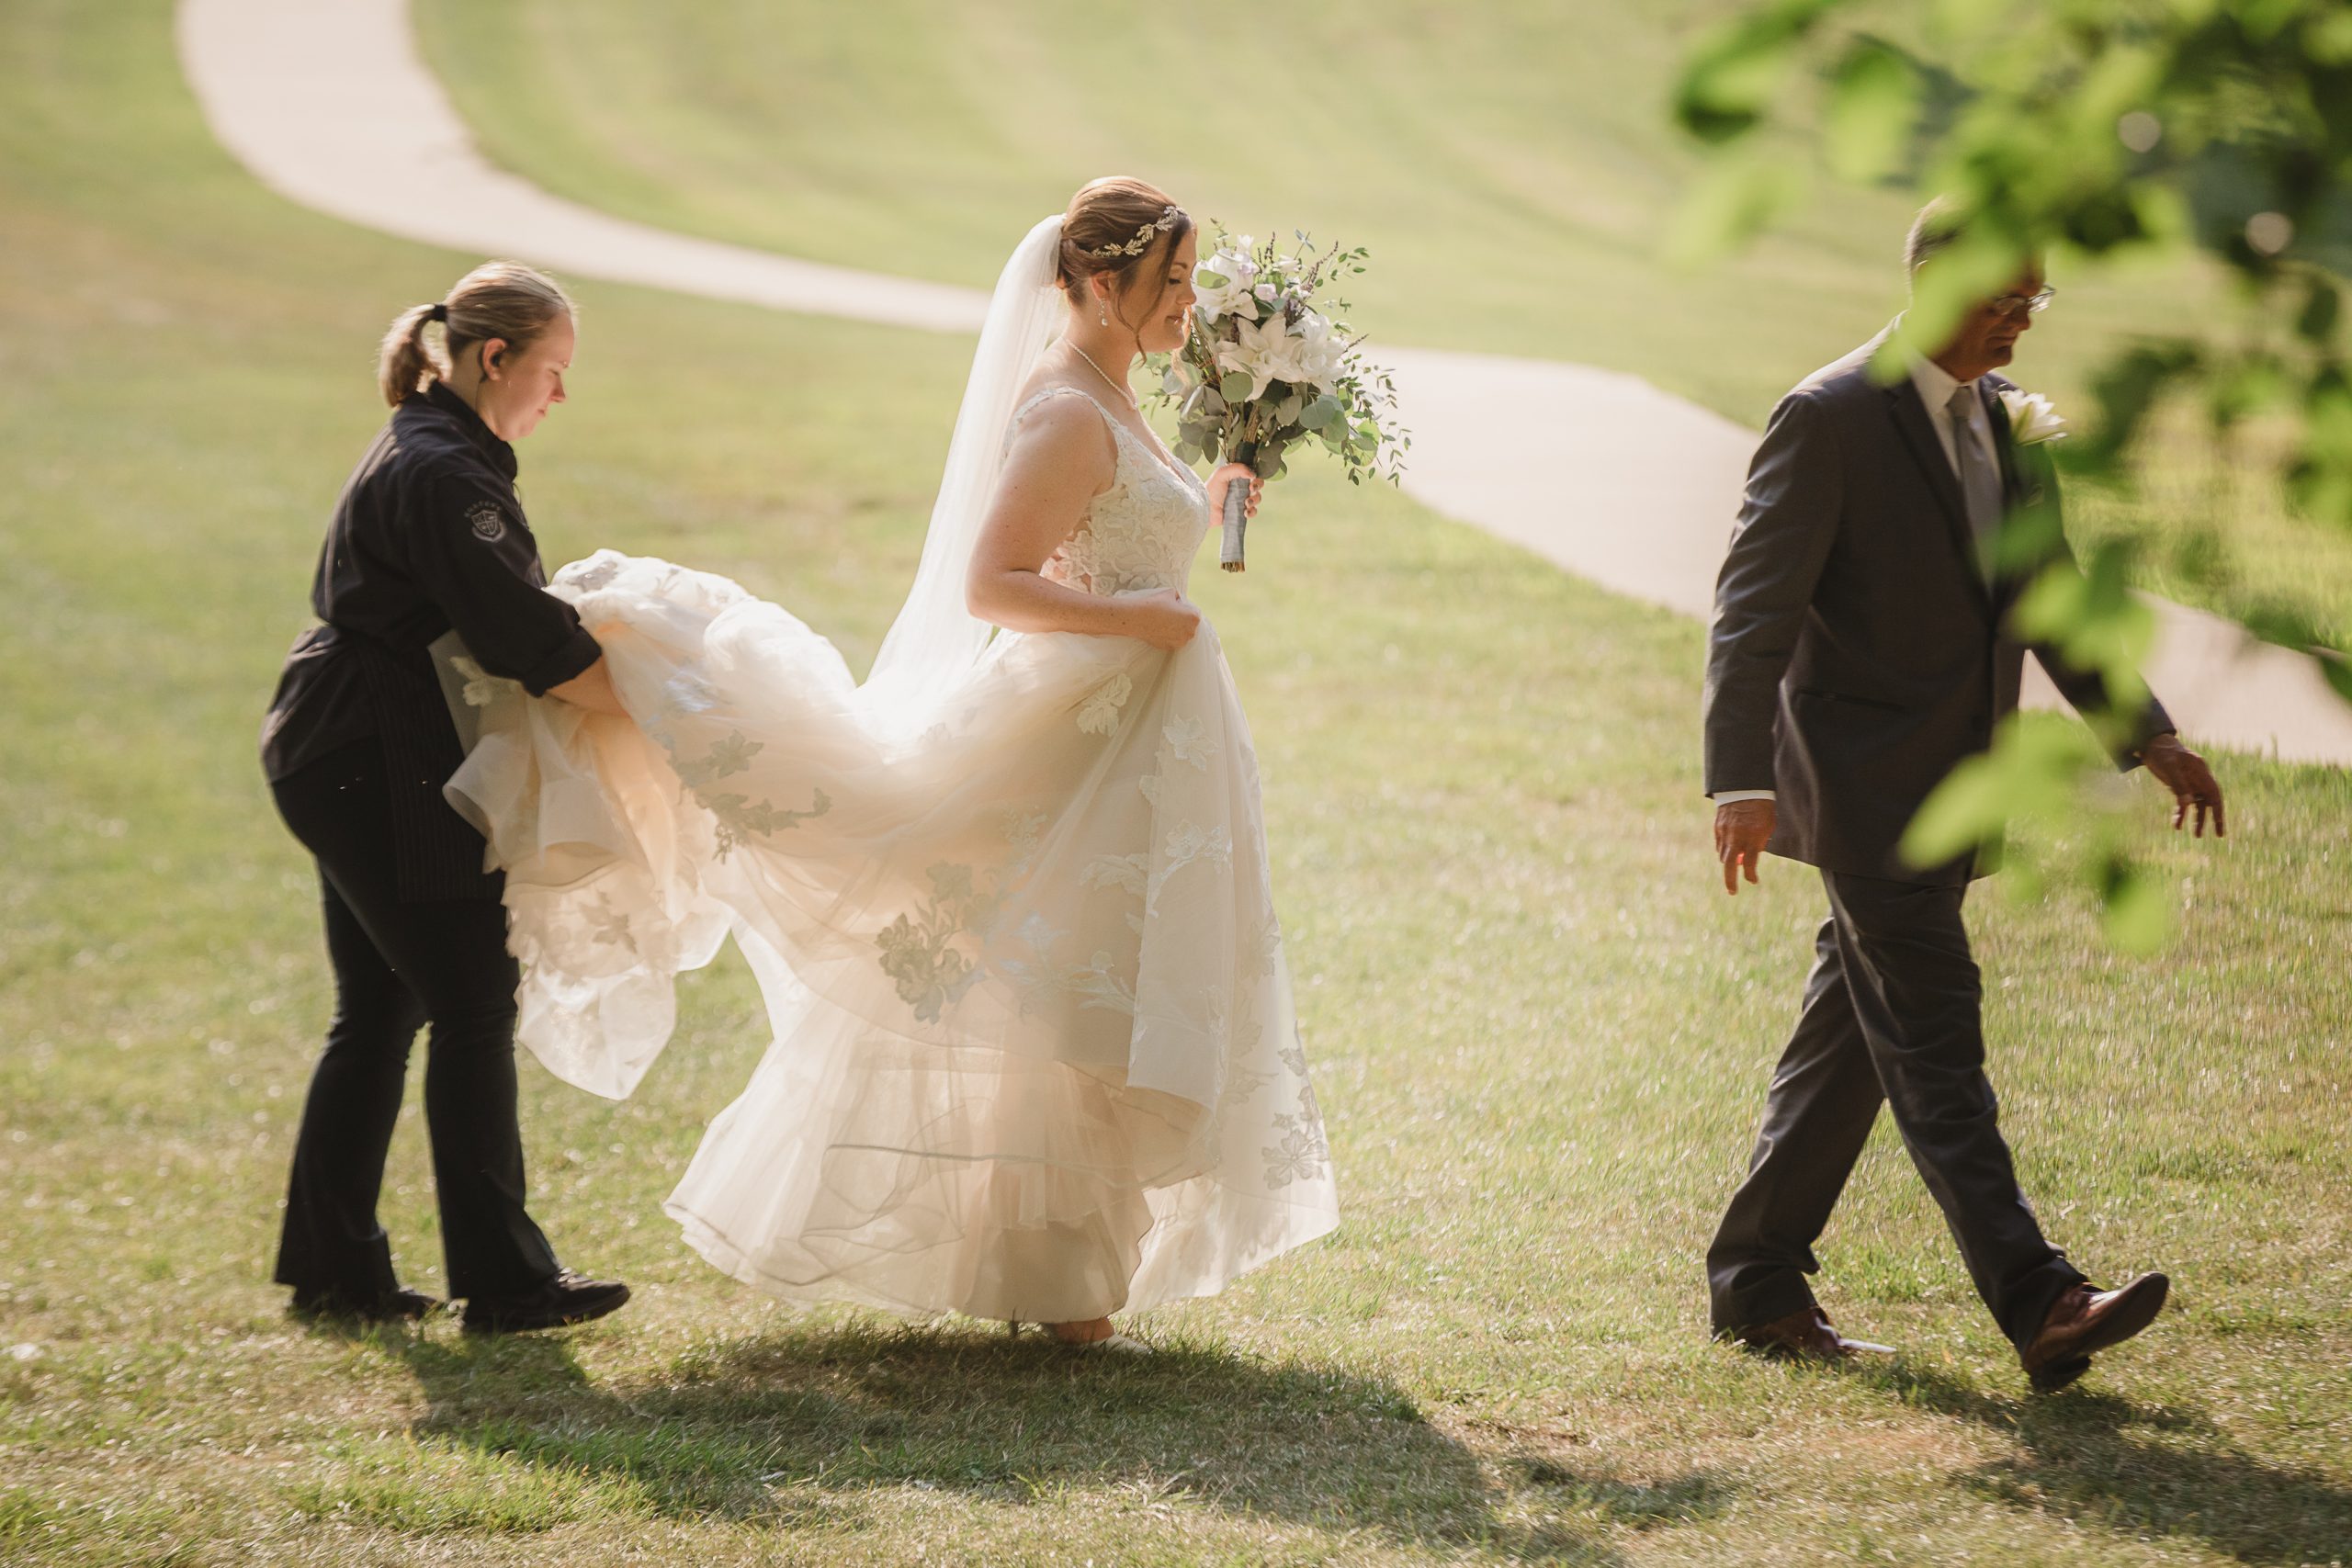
point(1936, 387)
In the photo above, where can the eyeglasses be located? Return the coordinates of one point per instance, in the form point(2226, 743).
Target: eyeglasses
point(2013, 305)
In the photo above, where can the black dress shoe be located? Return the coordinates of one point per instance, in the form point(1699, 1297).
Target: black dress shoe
point(567, 1298)
point(399, 1304)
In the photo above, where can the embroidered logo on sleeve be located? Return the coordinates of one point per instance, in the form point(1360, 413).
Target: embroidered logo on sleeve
point(489, 524)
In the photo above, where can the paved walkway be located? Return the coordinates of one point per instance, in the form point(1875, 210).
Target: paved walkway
point(328, 103)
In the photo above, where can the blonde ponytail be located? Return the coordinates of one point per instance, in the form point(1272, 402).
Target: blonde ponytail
point(497, 300)
point(404, 364)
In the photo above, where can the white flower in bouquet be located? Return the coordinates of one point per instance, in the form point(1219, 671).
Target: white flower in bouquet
point(1258, 352)
point(2033, 419)
point(1222, 286)
point(1313, 355)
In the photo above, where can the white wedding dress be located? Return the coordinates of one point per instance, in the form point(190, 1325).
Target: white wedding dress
point(1035, 1052)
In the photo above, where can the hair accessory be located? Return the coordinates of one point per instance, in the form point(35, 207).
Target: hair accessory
point(1142, 242)
point(439, 314)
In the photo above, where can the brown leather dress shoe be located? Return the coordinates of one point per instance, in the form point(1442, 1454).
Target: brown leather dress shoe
point(2085, 1321)
point(1807, 1337)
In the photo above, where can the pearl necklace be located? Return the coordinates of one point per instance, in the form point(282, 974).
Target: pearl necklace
point(1125, 390)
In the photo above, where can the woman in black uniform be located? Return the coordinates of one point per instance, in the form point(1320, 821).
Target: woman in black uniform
point(428, 539)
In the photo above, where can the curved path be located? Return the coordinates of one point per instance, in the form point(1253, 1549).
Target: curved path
point(328, 103)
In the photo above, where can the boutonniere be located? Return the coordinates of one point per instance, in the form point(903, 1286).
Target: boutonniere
point(2032, 419)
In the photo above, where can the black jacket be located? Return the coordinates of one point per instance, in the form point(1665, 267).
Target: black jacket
point(428, 537)
point(1856, 653)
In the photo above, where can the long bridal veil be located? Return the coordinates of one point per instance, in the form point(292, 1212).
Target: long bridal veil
point(934, 637)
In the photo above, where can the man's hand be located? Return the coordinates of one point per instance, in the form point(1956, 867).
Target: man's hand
point(1742, 827)
point(2184, 773)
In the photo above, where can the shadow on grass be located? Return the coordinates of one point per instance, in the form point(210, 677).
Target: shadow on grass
point(2144, 1469)
point(1685, 1499)
point(798, 1427)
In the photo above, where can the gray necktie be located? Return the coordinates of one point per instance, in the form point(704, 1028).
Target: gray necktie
point(1980, 481)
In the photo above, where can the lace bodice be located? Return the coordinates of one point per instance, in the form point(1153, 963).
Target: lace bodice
point(1141, 532)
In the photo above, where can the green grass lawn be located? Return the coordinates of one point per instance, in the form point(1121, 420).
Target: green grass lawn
point(1510, 164)
point(1539, 1037)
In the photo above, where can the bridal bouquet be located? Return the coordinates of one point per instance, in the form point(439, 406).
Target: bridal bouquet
point(1269, 364)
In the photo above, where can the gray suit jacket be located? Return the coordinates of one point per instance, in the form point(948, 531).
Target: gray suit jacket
point(1856, 653)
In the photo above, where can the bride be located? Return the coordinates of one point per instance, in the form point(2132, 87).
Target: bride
point(1007, 901)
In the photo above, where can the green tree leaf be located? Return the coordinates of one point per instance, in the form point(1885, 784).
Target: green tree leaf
point(2030, 770)
point(1733, 202)
point(1738, 70)
point(1873, 107)
point(2135, 909)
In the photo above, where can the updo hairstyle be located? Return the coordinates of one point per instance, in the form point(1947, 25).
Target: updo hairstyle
point(1105, 215)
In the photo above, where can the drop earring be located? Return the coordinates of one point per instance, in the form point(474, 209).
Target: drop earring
point(1103, 311)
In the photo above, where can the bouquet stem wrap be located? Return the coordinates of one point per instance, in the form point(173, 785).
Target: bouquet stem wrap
point(1237, 515)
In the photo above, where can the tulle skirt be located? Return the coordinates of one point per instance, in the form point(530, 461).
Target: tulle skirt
point(1034, 1053)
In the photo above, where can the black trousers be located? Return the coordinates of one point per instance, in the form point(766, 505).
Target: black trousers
point(1892, 1014)
point(396, 967)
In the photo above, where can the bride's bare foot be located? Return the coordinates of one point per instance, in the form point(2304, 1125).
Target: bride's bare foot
point(1085, 1333)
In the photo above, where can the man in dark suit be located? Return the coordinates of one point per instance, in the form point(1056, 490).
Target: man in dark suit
point(1859, 650)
